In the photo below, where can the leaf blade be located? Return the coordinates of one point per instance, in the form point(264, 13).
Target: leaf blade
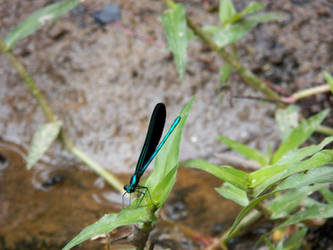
point(299, 135)
point(231, 192)
point(226, 173)
point(109, 222)
point(244, 150)
point(175, 27)
point(42, 140)
point(37, 19)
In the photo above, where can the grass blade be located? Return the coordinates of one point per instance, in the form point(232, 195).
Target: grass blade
point(45, 15)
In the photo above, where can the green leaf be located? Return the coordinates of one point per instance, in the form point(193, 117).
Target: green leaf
point(309, 202)
point(226, 173)
point(268, 243)
point(231, 192)
point(274, 174)
point(300, 135)
point(244, 150)
point(287, 120)
point(45, 15)
point(296, 240)
point(329, 80)
point(190, 35)
point(313, 212)
point(327, 194)
point(164, 187)
point(300, 154)
point(246, 210)
point(226, 10)
point(174, 24)
point(210, 29)
point(42, 140)
point(251, 8)
point(313, 176)
point(166, 161)
point(109, 222)
point(234, 32)
point(286, 203)
point(225, 71)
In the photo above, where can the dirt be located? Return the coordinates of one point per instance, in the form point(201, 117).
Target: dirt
point(104, 83)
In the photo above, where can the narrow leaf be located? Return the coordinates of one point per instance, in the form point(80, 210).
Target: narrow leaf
point(286, 203)
point(296, 240)
point(109, 222)
point(287, 120)
point(234, 32)
point(244, 150)
point(42, 140)
point(300, 135)
point(226, 173)
point(313, 176)
point(225, 71)
point(329, 79)
point(45, 15)
point(268, 243)
point(327, 194)
point(210, 29)
point(251, 8)
point(231, 192)
point(300, 154)
point(274, 174)
point(226, 10)
point(314, 212)
point(175, 27)
point(246, 210)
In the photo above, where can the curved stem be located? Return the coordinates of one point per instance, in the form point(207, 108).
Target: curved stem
point(51, 116)
point(247, 76)
point(311, 91)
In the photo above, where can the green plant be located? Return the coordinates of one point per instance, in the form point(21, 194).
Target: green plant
point(280, 190)
point(159, 183)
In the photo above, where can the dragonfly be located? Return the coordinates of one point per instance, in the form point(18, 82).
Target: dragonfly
point(151, 145)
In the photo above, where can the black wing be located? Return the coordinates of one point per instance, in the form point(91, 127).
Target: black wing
point(153, 136)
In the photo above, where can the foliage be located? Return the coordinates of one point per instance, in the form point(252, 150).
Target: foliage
point(233, 27)
point(329, 80)
point(286, 180)
point(175, 28)
point(45, 15)
point(42, 140)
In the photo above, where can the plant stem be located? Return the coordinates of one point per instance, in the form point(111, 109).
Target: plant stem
point(311, 91)
point(29, 82)
point(51, 117)
point(106, 175)
point(324, 130)
point(248, 77)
